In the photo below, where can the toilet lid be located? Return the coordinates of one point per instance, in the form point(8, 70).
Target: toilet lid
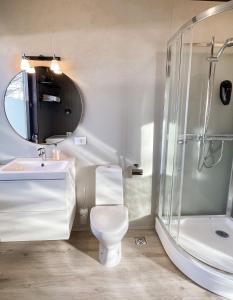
point(109, 218)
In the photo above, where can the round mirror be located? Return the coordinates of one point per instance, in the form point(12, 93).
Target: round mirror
point(43, 107)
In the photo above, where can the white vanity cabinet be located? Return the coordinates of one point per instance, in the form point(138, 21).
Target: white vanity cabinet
point(34, 208)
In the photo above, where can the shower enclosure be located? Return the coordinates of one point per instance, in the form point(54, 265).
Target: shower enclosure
point(195, 222)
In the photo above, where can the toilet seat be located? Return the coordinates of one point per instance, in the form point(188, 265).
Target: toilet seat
point(111, 219)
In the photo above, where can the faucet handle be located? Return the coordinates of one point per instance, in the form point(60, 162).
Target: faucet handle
point(41, 150)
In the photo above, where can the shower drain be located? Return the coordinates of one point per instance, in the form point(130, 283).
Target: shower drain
point(222, 234)
point(140, 241)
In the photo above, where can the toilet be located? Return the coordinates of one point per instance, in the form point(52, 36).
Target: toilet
point(109, 218)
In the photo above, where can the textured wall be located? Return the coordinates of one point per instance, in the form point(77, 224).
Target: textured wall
point(115, 51)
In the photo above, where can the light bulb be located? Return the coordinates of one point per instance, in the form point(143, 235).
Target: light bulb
point(24, 65)
point(58, 72)
point(31, 70)
point(55, 67)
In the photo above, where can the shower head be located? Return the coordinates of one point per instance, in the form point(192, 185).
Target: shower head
point(228, 44)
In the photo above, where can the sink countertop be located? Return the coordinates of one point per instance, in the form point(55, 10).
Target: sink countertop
point(31, 168)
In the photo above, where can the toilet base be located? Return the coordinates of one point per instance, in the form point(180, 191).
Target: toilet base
point(110, 256)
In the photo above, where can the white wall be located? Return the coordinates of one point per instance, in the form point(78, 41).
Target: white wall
point(115, 51)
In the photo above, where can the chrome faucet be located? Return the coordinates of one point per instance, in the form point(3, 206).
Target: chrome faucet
point(42, 154)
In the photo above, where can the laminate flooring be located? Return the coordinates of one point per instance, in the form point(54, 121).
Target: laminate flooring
point(67, 270)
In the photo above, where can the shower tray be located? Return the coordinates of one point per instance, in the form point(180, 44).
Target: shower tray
point(207, 238)
point(207, 276)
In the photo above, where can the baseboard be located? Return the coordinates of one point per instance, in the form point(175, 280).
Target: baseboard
point(83, 228)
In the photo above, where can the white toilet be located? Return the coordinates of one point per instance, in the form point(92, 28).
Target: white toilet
point(109, 218)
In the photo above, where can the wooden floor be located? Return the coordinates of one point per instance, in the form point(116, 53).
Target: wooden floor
point(70, 270)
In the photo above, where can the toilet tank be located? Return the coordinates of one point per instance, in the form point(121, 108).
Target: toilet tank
point(109, 185)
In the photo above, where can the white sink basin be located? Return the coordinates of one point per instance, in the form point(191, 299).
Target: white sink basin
point(32, 168)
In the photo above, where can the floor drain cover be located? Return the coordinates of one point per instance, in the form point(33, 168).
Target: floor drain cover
point(140, 241)
point(221, 233)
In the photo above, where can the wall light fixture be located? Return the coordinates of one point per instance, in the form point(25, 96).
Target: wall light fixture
point(54, 66)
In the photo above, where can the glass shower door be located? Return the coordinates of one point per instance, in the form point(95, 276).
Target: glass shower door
point(174, 129)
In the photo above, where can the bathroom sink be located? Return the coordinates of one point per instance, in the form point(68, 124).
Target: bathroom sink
point(32, 168)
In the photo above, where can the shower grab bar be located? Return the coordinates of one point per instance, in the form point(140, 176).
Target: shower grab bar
point(224, 137)
point(198, 137)
point(203, 44)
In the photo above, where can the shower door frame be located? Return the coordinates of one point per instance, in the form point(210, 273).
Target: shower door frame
point(206, 276)
point(202, 16)
point(179, 35)
point(173, 199)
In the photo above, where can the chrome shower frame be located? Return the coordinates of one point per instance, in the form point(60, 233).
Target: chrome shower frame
point(198, 271)
point(204, 136)
point(201, 17)
point(184, 138)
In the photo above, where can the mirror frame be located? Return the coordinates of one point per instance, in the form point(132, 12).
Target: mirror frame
point(44, 144)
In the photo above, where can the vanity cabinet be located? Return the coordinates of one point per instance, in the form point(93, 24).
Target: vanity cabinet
point(37, 209)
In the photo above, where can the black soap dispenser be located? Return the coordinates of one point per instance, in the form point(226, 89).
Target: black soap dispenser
point(225, 92)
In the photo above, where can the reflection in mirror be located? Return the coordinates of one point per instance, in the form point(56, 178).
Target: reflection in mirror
point(15, 105)
point(43, 107)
